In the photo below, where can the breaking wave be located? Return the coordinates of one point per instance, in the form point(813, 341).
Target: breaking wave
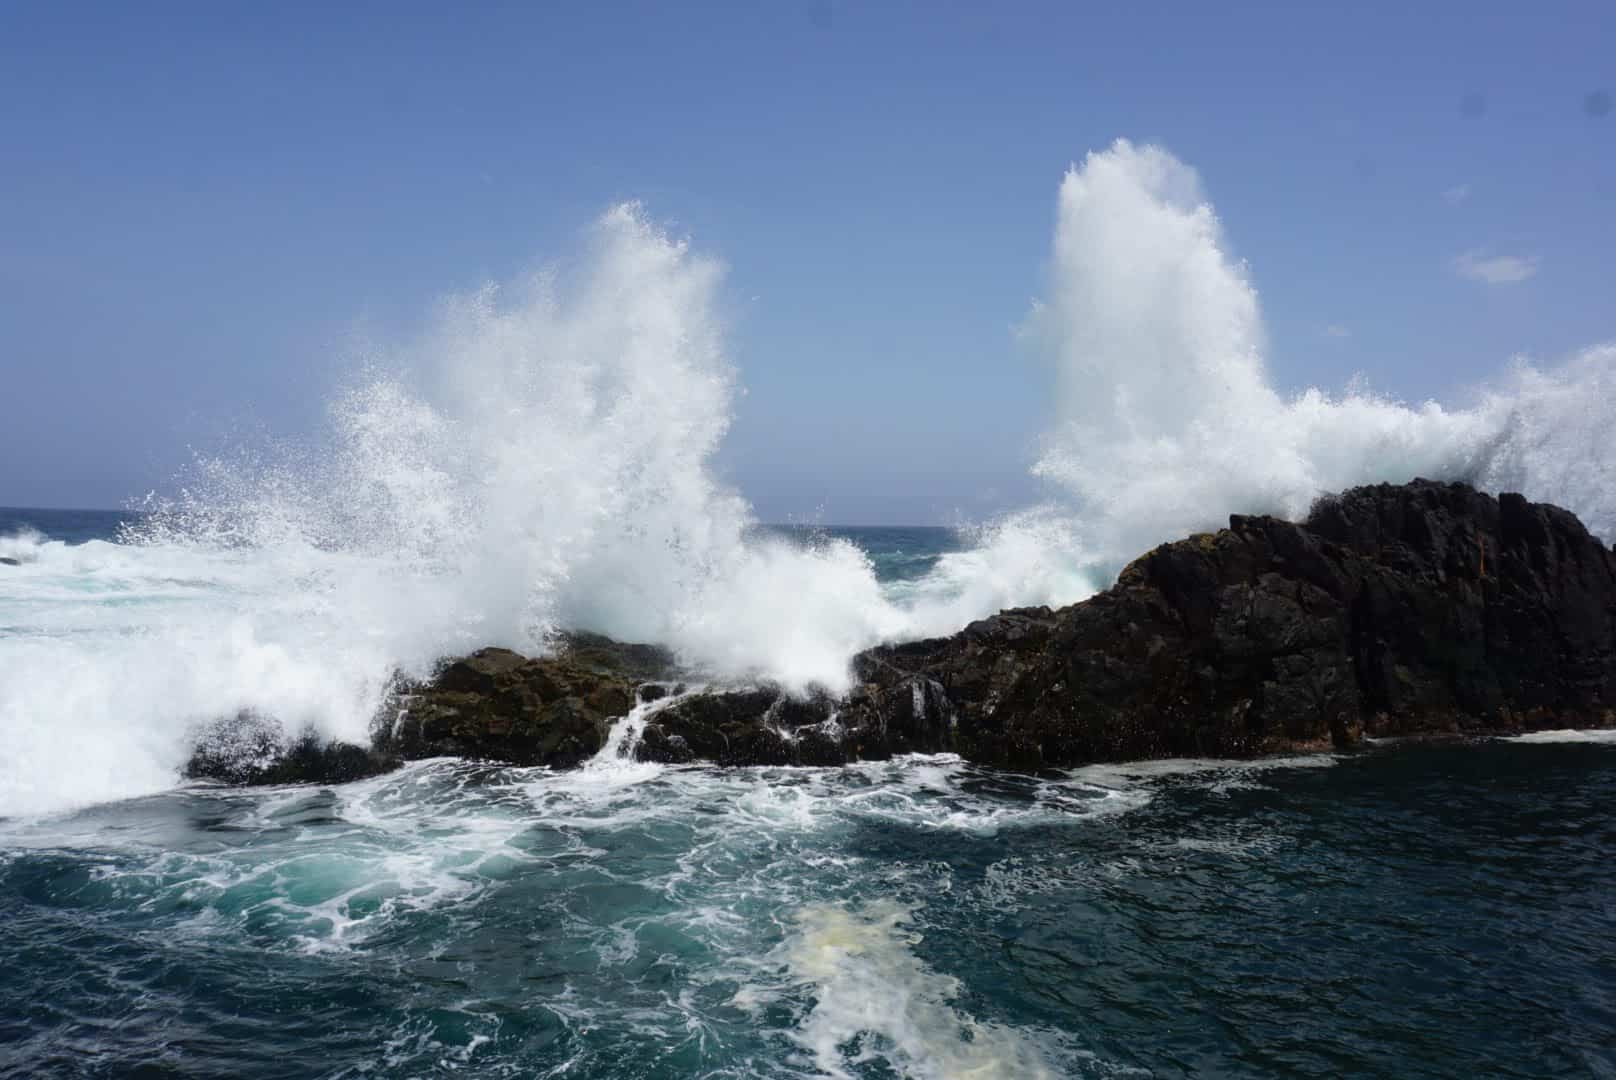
point(543, 460)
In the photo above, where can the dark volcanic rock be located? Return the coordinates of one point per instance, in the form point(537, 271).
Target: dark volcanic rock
point(1392, 610)
point(766, 726)
point(500, 705)
point(598, 653)
point(1404, 609)
point(503, 706)
point(252, 749)
point(752, 726)
point(493, 704)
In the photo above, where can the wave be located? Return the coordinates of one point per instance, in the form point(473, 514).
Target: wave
point(1169, 421)
point(542, 460)
point(23, 545)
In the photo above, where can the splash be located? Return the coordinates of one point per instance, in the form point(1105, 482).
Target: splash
point(20, 546)
point(1168, 420)
point(542, 461)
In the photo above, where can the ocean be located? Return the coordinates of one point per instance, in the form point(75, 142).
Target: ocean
point(1410, 911)
point(550, 456)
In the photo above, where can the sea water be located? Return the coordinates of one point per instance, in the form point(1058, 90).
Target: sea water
point(1409, 911)
point(543, 460)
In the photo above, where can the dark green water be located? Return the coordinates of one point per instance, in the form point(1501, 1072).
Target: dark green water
point(1408, 912)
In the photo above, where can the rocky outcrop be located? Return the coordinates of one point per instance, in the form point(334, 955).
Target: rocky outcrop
point(1391, 610)
point(494, 704)
point(499, 705)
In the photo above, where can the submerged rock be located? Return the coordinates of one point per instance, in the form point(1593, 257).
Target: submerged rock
point(1391, 610)
point(254, 749)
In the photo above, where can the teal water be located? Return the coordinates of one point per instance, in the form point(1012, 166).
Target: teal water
point(1404, 912)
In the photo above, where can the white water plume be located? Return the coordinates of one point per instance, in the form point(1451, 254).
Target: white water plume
point(540, 462)
point(544, 464)
point(1168, 420)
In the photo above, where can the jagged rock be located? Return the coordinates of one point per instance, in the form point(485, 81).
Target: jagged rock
point(764, 725)
point(753, 726)
point(1392, 610)
point(895, 712)
point(1404, 609)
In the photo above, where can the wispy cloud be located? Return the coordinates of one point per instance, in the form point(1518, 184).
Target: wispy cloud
point(1496, 269)
point(1336, 330)
point(1457, 194)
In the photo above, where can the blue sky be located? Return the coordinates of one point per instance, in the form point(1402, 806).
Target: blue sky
point(199, 205)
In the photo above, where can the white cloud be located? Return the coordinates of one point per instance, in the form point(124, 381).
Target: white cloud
point(1496, 269)
point(1457, 194)
point(1336, 330)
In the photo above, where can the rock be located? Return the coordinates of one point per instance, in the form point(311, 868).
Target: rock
point(1406, 609)
point(499, 705)
point(764, 725)
point(494, 704)
point(7, 560)
point(598, 653)
point(752, 726)
point(1417, 609)
point(895, 712)
point(253, 749)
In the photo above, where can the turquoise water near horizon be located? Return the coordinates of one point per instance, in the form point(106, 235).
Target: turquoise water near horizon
point(897, 551)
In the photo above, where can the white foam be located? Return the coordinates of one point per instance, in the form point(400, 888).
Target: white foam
point(24, 545)
point(1566, 735)
point(623, 739)
point(874, 999)
point(1220, 773)
point(936, 792)
point(541, 461)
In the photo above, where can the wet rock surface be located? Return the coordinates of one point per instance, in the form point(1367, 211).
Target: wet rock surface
point(500, 705)
point(1392, 610)
point(253, 749)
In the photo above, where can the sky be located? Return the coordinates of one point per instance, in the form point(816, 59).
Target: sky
point(201, 206)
